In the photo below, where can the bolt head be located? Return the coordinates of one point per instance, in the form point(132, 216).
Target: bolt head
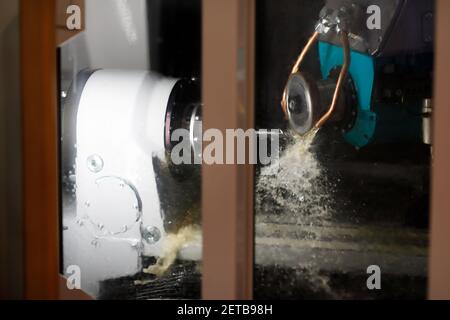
point(151, 234)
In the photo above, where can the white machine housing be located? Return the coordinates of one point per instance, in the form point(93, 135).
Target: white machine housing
point(120, 126)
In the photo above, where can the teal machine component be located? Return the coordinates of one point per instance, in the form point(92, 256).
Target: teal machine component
point(375, 121)
point(362, 71)
point(389, 80)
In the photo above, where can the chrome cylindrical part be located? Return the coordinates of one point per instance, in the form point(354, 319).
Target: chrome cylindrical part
point(427, 128)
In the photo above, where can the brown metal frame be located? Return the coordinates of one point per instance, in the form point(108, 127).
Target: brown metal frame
point(40, 152)
point(40, 161)
point(227, 190)
point(439, 268)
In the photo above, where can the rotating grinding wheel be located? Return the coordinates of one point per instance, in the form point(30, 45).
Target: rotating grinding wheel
point(303, 105)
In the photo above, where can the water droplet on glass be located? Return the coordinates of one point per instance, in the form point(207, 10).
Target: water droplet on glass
point(95, 163)
point(134, 243)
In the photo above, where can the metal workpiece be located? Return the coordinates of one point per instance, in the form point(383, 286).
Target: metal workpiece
point(427, 121)
point(196, 133)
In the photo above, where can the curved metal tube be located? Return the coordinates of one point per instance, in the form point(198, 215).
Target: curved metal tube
point(296, 67)
point(342, 75)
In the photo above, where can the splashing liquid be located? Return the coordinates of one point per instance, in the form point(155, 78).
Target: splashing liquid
point(295, 191)
point(295, 185)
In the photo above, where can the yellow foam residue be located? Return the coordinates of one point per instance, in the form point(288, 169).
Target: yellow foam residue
point(172, 246)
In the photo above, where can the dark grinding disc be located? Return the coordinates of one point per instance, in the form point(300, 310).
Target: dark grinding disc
point(303, 104)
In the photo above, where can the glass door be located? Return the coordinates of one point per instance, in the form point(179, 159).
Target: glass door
point(130, 180)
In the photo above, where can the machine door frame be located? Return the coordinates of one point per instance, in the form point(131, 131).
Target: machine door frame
point(228, 190)
point(439, 254)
